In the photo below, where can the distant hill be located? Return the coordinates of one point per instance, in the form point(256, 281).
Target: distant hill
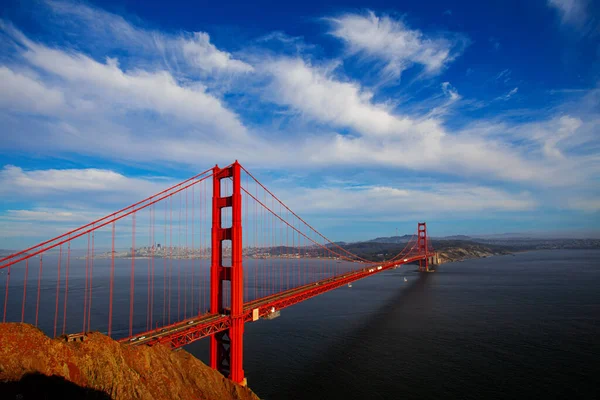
point(454, 237)
point(391, 239)
point(508, 235)
point(450, 250)
point(406, 238)
point(460, 247)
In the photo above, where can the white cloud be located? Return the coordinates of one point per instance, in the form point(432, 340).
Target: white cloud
point(455, 155)
point(379, 136)
point(47, 202)
point(184, 49)
point(450, 91)
point(90, 90)
point(583, 204)
point(15, 180)
point(23, 93)
point(563, 147)
point(16, 235)
point(44, 203)
point(188, 125)
point(154, 91)
point(315, 93)
point(504, 75)
point(571, 11)
point(567, 126)
point(550, 138)
point(42, 215)
point(386, 200)
point(436, 108)
point(200, 52)
point(52, 183)
point(385, 138)
point(392, 41)
point(508, 95)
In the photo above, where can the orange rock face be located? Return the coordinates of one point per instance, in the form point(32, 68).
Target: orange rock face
point(99, 367)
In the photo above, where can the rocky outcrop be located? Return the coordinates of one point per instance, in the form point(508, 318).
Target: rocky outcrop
point(466, 251)
point(100, 368)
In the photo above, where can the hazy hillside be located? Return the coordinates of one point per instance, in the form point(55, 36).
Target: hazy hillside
point(452, 249)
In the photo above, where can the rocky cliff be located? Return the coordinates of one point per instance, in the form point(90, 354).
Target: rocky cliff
point(34, 366)
point(466, 251)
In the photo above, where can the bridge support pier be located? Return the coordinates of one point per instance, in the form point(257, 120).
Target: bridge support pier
point(433, 259)
point(226, 348)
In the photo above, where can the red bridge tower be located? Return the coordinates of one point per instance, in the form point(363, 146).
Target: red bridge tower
point(226, 348)
point(422, 246)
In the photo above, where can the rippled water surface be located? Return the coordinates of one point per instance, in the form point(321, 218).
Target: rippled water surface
point(523, 326)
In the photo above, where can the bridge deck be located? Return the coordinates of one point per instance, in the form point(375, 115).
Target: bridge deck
point(192, 329)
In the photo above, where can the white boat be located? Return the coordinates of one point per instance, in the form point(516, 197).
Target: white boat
point(349, 285)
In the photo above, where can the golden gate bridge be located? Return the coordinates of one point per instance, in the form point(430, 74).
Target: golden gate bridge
point(231, 253)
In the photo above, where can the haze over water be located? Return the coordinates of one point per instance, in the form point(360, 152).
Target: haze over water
point(523, 326)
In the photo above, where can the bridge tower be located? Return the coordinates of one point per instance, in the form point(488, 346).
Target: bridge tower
point(226, 348)
point(422, 246)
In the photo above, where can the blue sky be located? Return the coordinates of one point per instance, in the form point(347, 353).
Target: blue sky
point(479, 117)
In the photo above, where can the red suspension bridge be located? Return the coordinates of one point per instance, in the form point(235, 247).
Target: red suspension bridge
point(199, 259)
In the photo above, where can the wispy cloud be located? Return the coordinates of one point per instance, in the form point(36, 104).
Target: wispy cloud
point(450, 91)
point(567, 91)
point(571, 11)
point(314, 92)
point(379, 134)
point(395, 44)
point(189, 52)
point(387, 200)
point(23, 92)
point(508, 95)
point(81, 183)
point(73, 90)
point(504, 75)
point(154, 91)
point(384, 137)
point(49, 215)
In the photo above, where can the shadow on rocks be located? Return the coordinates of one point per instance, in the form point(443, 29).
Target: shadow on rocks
point(39, 386)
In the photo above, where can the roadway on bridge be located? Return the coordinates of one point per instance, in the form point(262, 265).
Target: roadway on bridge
point(213, 323)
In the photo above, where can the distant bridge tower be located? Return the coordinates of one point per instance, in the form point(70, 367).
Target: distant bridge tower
point(422, 246)
point(226, 347)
